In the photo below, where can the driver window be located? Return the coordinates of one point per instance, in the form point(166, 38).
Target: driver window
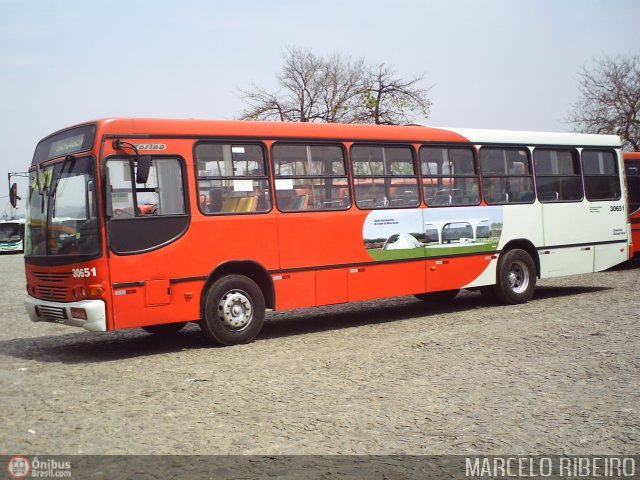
point(161, 195)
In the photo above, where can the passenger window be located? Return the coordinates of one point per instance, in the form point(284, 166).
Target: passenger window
point(384, 177)
point(161, 195)
point(633, 184)
point(310, 177)
point(506, 175)
point(232, 178)
point(449, 176)
point(601, 180)
point(558, 176)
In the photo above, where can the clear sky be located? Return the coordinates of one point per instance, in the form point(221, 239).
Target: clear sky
point(507, 64)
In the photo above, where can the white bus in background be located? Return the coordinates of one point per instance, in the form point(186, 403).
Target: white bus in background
point(12, 235)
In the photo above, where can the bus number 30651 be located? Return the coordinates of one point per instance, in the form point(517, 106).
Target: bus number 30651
point(84, 272)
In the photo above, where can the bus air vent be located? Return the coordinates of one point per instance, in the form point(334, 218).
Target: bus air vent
point(52, 314)
point(51, 276)
point(52, 293)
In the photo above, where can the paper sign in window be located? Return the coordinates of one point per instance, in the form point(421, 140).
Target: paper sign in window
point(284, 184)
point(243, 185)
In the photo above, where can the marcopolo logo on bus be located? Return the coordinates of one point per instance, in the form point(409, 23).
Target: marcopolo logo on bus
point(150, 146)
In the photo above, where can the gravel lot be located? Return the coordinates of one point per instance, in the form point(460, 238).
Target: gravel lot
point(559, 375)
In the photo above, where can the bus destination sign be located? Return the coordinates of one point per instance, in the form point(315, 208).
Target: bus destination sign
point(66, 145)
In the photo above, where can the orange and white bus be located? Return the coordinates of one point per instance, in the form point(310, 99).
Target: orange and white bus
point(632, 170)
point(155, 223)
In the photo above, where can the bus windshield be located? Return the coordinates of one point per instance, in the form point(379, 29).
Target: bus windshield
point(10, 232)
point(61, 210)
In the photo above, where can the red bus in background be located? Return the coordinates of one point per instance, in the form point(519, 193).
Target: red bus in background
point(154, 223)
point(632, 170)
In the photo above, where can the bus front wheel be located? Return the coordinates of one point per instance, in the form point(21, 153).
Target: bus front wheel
point(234, 310)
point(516, 279)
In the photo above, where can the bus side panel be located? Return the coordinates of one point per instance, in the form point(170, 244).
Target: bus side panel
point(568, 224)
point(319, 239)
point(635, 232)
point(606, 256)
point(151, 304)
point(387, 280)
point(455, 273)
point(488, 275)
point(295, 290)
point(331, 286)
point(557, 262)
point(140, 295)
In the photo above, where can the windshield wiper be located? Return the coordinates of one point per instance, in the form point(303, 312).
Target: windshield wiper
point(68, 160)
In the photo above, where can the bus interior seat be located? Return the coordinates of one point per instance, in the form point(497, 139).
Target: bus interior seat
point(245, 204)
point(230, 204)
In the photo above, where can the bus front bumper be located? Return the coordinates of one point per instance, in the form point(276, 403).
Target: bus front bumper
point(88, 314)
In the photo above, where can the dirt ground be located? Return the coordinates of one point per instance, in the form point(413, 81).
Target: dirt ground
point(558, 375)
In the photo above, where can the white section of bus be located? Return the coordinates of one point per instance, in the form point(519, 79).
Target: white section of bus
point(12, 235)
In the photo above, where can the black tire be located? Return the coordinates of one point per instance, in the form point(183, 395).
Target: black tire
point(516, 277)
point(234, 311)
point(165, 328)
point(438, 297)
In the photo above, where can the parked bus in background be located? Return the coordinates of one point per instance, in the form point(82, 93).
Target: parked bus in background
point(154, 223)
point(12, 235)
point(632, 169)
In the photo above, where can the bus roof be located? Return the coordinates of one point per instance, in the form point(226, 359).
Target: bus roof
point(280, 130)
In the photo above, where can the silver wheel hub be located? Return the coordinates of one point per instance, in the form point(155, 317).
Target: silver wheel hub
point(235, 310)
point(518, 277)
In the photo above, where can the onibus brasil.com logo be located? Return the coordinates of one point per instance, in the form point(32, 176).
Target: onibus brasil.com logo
point(21, 467)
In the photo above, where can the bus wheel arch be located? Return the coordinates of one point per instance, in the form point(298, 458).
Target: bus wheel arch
point(249, 269)
point(528, 247)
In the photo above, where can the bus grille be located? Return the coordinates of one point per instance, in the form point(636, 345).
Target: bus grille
point(52, 293)
point(52, 314)
point(54, 277)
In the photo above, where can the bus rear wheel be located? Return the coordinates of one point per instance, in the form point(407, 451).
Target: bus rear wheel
point(516, 279)
point(234, 311)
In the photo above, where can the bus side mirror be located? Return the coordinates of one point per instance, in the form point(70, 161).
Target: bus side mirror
point(13, 196)
point(142, 172)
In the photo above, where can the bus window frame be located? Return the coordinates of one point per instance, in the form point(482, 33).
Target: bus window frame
point(416, 175)
point(628, 176)
point(512, 147)
point(618, 174)
point(134, 221)
point(267, 174)
point(476, 166)
point(576, 154)
point(315, 143)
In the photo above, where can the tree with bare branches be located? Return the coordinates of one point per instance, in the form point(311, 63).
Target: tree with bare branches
point(312, 89)
point(609, 100)
point(336, 89)
point(386, 99)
